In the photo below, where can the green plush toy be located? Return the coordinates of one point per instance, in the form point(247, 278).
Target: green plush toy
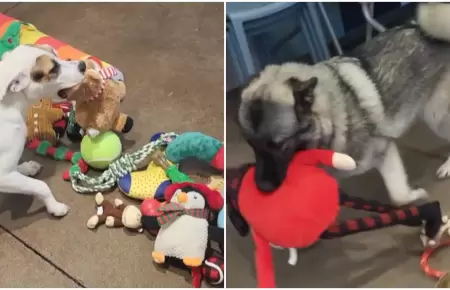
point(101, 150)
point(193, 144)
point(11, 38)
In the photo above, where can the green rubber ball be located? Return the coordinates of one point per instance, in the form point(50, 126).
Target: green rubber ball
point(100, 151)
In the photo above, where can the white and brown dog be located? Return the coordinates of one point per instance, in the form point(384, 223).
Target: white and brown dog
point(27, 74)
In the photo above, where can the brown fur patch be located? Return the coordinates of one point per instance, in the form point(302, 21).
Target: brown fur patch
point(45, 69)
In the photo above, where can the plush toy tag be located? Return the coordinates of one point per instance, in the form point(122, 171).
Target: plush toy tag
point(100, 210)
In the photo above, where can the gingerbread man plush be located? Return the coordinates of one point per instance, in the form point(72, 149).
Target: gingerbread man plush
point(40, 120)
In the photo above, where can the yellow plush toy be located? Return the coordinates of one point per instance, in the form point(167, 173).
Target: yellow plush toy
point(148, 183)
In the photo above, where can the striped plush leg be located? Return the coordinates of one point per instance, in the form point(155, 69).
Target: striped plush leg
point(411, 215)
point(45, 148)
point(358, 203)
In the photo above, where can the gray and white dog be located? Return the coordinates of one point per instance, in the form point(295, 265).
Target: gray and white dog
point(356, 105)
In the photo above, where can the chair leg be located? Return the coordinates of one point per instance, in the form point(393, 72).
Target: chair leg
point(368, 15)
point(330, 29)
point(317, 26)
point(233, 56)
point(244, 49)
point(309, 39)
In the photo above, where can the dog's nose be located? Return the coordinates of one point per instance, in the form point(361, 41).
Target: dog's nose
point(82, 66)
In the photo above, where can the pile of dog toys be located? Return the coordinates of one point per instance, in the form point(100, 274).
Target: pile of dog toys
point(181, 188)
point(182, 202)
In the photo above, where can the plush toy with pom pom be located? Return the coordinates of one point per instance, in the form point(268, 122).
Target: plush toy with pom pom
point(304, 209)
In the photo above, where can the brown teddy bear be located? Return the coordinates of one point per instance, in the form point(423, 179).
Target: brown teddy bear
point(97, 99)
point(115, 215)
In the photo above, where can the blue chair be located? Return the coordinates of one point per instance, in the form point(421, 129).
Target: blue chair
point(251, 19)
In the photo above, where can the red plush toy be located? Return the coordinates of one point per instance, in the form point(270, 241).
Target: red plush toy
point(305, 208)
point(293, 218)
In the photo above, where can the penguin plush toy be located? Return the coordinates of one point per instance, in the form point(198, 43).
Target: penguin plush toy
point(185, 223)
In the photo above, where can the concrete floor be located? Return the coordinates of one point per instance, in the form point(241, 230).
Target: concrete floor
point(384, 258)
point(172, 57)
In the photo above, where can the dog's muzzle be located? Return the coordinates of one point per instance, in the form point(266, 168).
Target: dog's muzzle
point(271, 165)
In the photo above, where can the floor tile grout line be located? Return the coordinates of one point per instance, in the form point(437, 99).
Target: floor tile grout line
point(73, 279)
point(11, 8)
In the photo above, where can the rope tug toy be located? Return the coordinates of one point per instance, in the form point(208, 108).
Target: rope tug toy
point(127, 163)
point(299, 218)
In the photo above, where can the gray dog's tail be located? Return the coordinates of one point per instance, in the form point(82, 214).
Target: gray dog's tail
point(434, 20)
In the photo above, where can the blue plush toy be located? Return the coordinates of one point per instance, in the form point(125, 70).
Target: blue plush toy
point(221, 219)
point(156, 136)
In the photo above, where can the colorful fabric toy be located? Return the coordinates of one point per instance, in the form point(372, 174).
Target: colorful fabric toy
point(184, 223)
point(196, 144)
point(305, 207)
point(10, 38)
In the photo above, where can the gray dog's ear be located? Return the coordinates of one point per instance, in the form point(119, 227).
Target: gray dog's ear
point(303, 92)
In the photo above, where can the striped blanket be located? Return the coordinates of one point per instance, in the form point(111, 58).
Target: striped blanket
point(29, 34)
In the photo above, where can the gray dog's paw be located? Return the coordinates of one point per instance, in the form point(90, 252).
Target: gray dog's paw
point(444, 170)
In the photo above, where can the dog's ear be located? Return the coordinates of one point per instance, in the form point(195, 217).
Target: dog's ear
point(303, 92)
point(19, 83)
point(12, 79)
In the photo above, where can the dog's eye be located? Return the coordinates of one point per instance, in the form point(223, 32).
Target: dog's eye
point(55, 69)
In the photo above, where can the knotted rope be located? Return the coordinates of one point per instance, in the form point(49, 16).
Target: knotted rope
point(127, 163)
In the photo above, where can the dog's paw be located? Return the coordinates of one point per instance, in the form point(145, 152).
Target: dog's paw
point(92, 132)
point(29, 168)
point(57, 209)
point(417, 194)
point(413, 195)
point(444, 170)
point(435, 241)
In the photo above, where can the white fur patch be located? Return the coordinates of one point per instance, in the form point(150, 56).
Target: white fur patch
point(433, 19)
point(365, 90)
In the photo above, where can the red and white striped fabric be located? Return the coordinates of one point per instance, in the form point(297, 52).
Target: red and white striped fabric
point(108, 72)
